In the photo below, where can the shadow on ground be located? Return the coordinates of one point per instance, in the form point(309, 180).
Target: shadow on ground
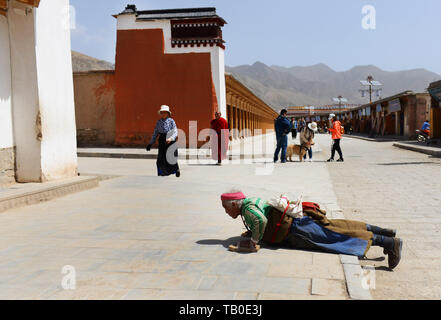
point(373, 259)
point(234, 240)
point(225, 243)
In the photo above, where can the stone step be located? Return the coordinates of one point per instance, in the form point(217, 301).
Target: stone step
point(19, 195)
point(433, 151)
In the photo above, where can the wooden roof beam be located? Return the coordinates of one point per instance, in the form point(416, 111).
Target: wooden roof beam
point(34, 3)
point(4, 5)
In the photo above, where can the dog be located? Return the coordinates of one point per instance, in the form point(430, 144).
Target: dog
point(297, 149)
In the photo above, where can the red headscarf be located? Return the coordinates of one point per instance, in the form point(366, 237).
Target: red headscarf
point(233, 196)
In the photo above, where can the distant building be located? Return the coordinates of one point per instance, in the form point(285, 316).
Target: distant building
point(398, 115)
point(37, 113)
point(313, 111)
point(172, 57)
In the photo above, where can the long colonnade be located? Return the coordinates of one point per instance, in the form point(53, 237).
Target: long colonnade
point(246, 113)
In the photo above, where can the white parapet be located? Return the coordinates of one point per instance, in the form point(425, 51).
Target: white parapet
point(6, 135)
point(55, 90)
point(25, 103)
point(42, 99)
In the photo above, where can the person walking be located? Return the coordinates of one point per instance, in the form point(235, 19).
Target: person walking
point(283, 127)
point(168, 135)
point(301, 124)
point(220, 140)
point(307, 138)
point(335, 130)
point(294, 128)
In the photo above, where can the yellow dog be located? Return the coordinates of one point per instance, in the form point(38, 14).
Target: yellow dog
point(299, 150)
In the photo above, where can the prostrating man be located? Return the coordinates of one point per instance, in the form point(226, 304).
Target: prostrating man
point(219, 143)
point(335, 130)
point(313, 231)
point(283, 127)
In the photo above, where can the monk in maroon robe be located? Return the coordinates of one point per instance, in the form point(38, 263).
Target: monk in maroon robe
point(220, 125)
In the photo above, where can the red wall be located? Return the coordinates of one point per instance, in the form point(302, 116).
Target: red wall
point(95, 108)
point(146, 78)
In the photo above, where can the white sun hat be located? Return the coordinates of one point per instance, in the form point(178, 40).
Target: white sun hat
point(331, 116)
point(164, 108)
point(313, 126)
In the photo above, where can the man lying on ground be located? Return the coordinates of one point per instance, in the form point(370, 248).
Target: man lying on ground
point(313, 231)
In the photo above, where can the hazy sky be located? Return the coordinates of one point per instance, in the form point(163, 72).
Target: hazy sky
point(292, 32)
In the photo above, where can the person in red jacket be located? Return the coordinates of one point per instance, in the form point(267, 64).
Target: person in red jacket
point(219, 141)
point(335, 130)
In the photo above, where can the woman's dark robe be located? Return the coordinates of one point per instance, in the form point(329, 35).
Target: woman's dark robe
point(219, 144)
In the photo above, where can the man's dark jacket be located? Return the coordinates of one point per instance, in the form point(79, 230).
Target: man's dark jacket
point(282, 126)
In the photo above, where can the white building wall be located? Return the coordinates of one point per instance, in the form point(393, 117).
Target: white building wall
point(24, 92)
point(6, 135)
point(217, 54)
point(55, 88)
point(219, 73)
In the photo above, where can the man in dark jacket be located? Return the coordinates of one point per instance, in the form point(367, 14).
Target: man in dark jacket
point(282, 126)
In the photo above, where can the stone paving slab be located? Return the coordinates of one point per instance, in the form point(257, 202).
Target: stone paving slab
point(139, 236)
point(395, 188)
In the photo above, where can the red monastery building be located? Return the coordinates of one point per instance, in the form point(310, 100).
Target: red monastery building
point(171, 57)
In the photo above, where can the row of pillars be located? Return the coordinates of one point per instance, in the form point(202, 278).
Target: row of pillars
point(241, 120)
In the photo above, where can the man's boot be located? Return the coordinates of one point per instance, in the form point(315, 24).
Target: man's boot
point(392, 233)
point(389, 233)
point(382, 232)
point(394, 255)
point(382, 241)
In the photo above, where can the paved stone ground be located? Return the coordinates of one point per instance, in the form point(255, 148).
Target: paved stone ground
point(401, 189)
point(139, 236)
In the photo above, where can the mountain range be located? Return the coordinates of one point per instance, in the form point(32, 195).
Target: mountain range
point(318, 84)
point(314, 85)
point(82, 62)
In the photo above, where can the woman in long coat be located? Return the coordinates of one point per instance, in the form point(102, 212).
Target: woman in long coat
point(167, 132)
point(307, 138)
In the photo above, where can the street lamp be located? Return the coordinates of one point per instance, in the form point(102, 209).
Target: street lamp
point(340, 100)
point(370, 85)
